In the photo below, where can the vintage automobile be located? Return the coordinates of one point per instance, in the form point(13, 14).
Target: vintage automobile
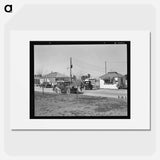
point(90, 84)
point(46, 85)
point(66, 87)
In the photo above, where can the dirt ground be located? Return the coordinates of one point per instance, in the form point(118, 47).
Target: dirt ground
point(78, 105)
point(113, 93)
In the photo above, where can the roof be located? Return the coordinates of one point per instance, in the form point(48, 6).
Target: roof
point(111, 75)
point(38, 77)
point(55, 75)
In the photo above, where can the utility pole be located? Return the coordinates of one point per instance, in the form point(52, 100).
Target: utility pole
point(71, 66)
point(105, 67)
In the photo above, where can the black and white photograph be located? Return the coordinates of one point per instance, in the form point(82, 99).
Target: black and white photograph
point(80, 79)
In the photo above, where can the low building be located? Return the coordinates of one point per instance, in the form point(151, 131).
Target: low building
point(111, 80)
point(38, 79)
point(53, 77)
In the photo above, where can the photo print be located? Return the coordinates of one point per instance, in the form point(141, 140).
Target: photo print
point(80, 79)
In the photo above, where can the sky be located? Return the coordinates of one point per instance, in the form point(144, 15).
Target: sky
point(85, 58)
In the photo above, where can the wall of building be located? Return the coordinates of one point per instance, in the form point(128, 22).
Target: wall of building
point(107, 86)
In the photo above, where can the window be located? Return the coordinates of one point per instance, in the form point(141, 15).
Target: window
point(108, 81)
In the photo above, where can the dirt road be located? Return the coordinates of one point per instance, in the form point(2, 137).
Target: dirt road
point(98, 93)
point(107, 93)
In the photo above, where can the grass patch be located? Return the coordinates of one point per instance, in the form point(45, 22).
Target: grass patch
point(78, 105)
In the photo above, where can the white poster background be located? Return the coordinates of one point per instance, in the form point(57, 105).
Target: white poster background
point(140, 80)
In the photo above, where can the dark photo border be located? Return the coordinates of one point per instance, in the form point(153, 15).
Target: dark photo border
point(32, 102)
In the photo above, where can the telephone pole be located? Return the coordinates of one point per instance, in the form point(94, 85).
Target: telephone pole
point(71, 66)
point(105, 67)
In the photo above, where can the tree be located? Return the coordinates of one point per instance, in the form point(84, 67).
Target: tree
point(85, 77)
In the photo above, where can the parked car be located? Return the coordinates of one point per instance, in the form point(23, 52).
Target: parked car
point(46, 85)
point(66, 87)
point(88, 85)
